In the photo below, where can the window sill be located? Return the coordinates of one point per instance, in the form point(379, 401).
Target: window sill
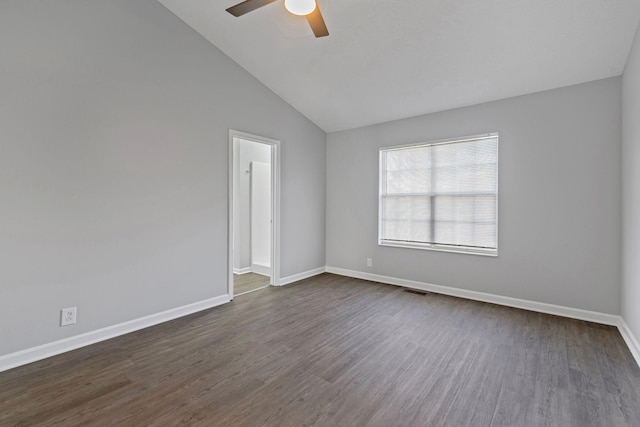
point(442, 248)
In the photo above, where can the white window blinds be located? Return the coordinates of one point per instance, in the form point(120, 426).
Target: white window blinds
point(441, 196)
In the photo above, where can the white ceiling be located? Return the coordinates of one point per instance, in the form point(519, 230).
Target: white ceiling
point(386, 60)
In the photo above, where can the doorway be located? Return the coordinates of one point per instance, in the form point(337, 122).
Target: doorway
point(253, 212)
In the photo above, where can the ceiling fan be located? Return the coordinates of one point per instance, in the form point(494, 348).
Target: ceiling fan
point(306, 8)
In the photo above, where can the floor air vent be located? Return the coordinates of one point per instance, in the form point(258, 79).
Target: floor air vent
point(416, 291)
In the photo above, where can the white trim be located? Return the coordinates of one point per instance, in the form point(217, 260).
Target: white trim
point(630, 339)
point(300, 276)
point(558, 310)
point(439, 248)
point(260, 269)
point(230, 180)
point(541, 307)
point(275, 205)
point(252, 290)
point(443, 141)
point(22, 357)
point(242, 270)
point(33, 354)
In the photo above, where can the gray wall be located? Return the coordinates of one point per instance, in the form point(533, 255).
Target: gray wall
point(559, 190)
point(114, 120)
point(631, 190)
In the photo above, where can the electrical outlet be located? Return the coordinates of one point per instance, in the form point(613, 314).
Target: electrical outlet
point(68, 316)
point(369, 262)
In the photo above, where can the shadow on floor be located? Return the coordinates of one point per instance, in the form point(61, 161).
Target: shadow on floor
point(243, 283)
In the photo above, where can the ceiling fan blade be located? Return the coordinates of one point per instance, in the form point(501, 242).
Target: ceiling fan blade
point(316, 21)
point(247, 6)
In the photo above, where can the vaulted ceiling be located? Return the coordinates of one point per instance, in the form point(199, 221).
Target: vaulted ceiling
point(386, 60)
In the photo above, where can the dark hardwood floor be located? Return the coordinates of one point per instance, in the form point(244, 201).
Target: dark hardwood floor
point(249, 282)
point(334, 351)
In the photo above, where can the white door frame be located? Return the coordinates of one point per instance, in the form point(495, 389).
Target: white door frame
point(275, 206)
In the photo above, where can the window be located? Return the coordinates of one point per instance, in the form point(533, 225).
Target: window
point(441, 195)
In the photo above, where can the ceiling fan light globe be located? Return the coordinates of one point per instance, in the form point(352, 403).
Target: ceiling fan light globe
point(300, 7)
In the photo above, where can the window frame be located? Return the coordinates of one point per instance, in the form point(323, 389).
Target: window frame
point(438, 246)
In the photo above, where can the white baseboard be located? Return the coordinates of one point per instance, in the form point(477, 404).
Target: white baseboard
point(242, 270)
point(263, 270)
point(40, 352)
point(300, 276)
point(630, 339)
point(558, 310)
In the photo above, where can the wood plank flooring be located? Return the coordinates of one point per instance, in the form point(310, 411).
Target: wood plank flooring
point(334, 351)
point(249, 282)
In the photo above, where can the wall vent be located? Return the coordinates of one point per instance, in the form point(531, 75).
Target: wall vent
point(417, 291)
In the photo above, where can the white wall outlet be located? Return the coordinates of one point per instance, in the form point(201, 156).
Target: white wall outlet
point(68, 316)
point(369, 262)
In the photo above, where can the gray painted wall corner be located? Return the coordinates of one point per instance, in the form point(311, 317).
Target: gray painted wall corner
point(559, 190)
point(113, 174)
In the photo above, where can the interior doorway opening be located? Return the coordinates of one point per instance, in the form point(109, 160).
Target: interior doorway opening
point(253, 215)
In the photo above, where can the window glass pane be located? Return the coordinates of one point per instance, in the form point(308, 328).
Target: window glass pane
point(456, 233)
point(443, 193)
point(406, 218)
point(409, 181)
point(465, 179)
point(466, 208)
